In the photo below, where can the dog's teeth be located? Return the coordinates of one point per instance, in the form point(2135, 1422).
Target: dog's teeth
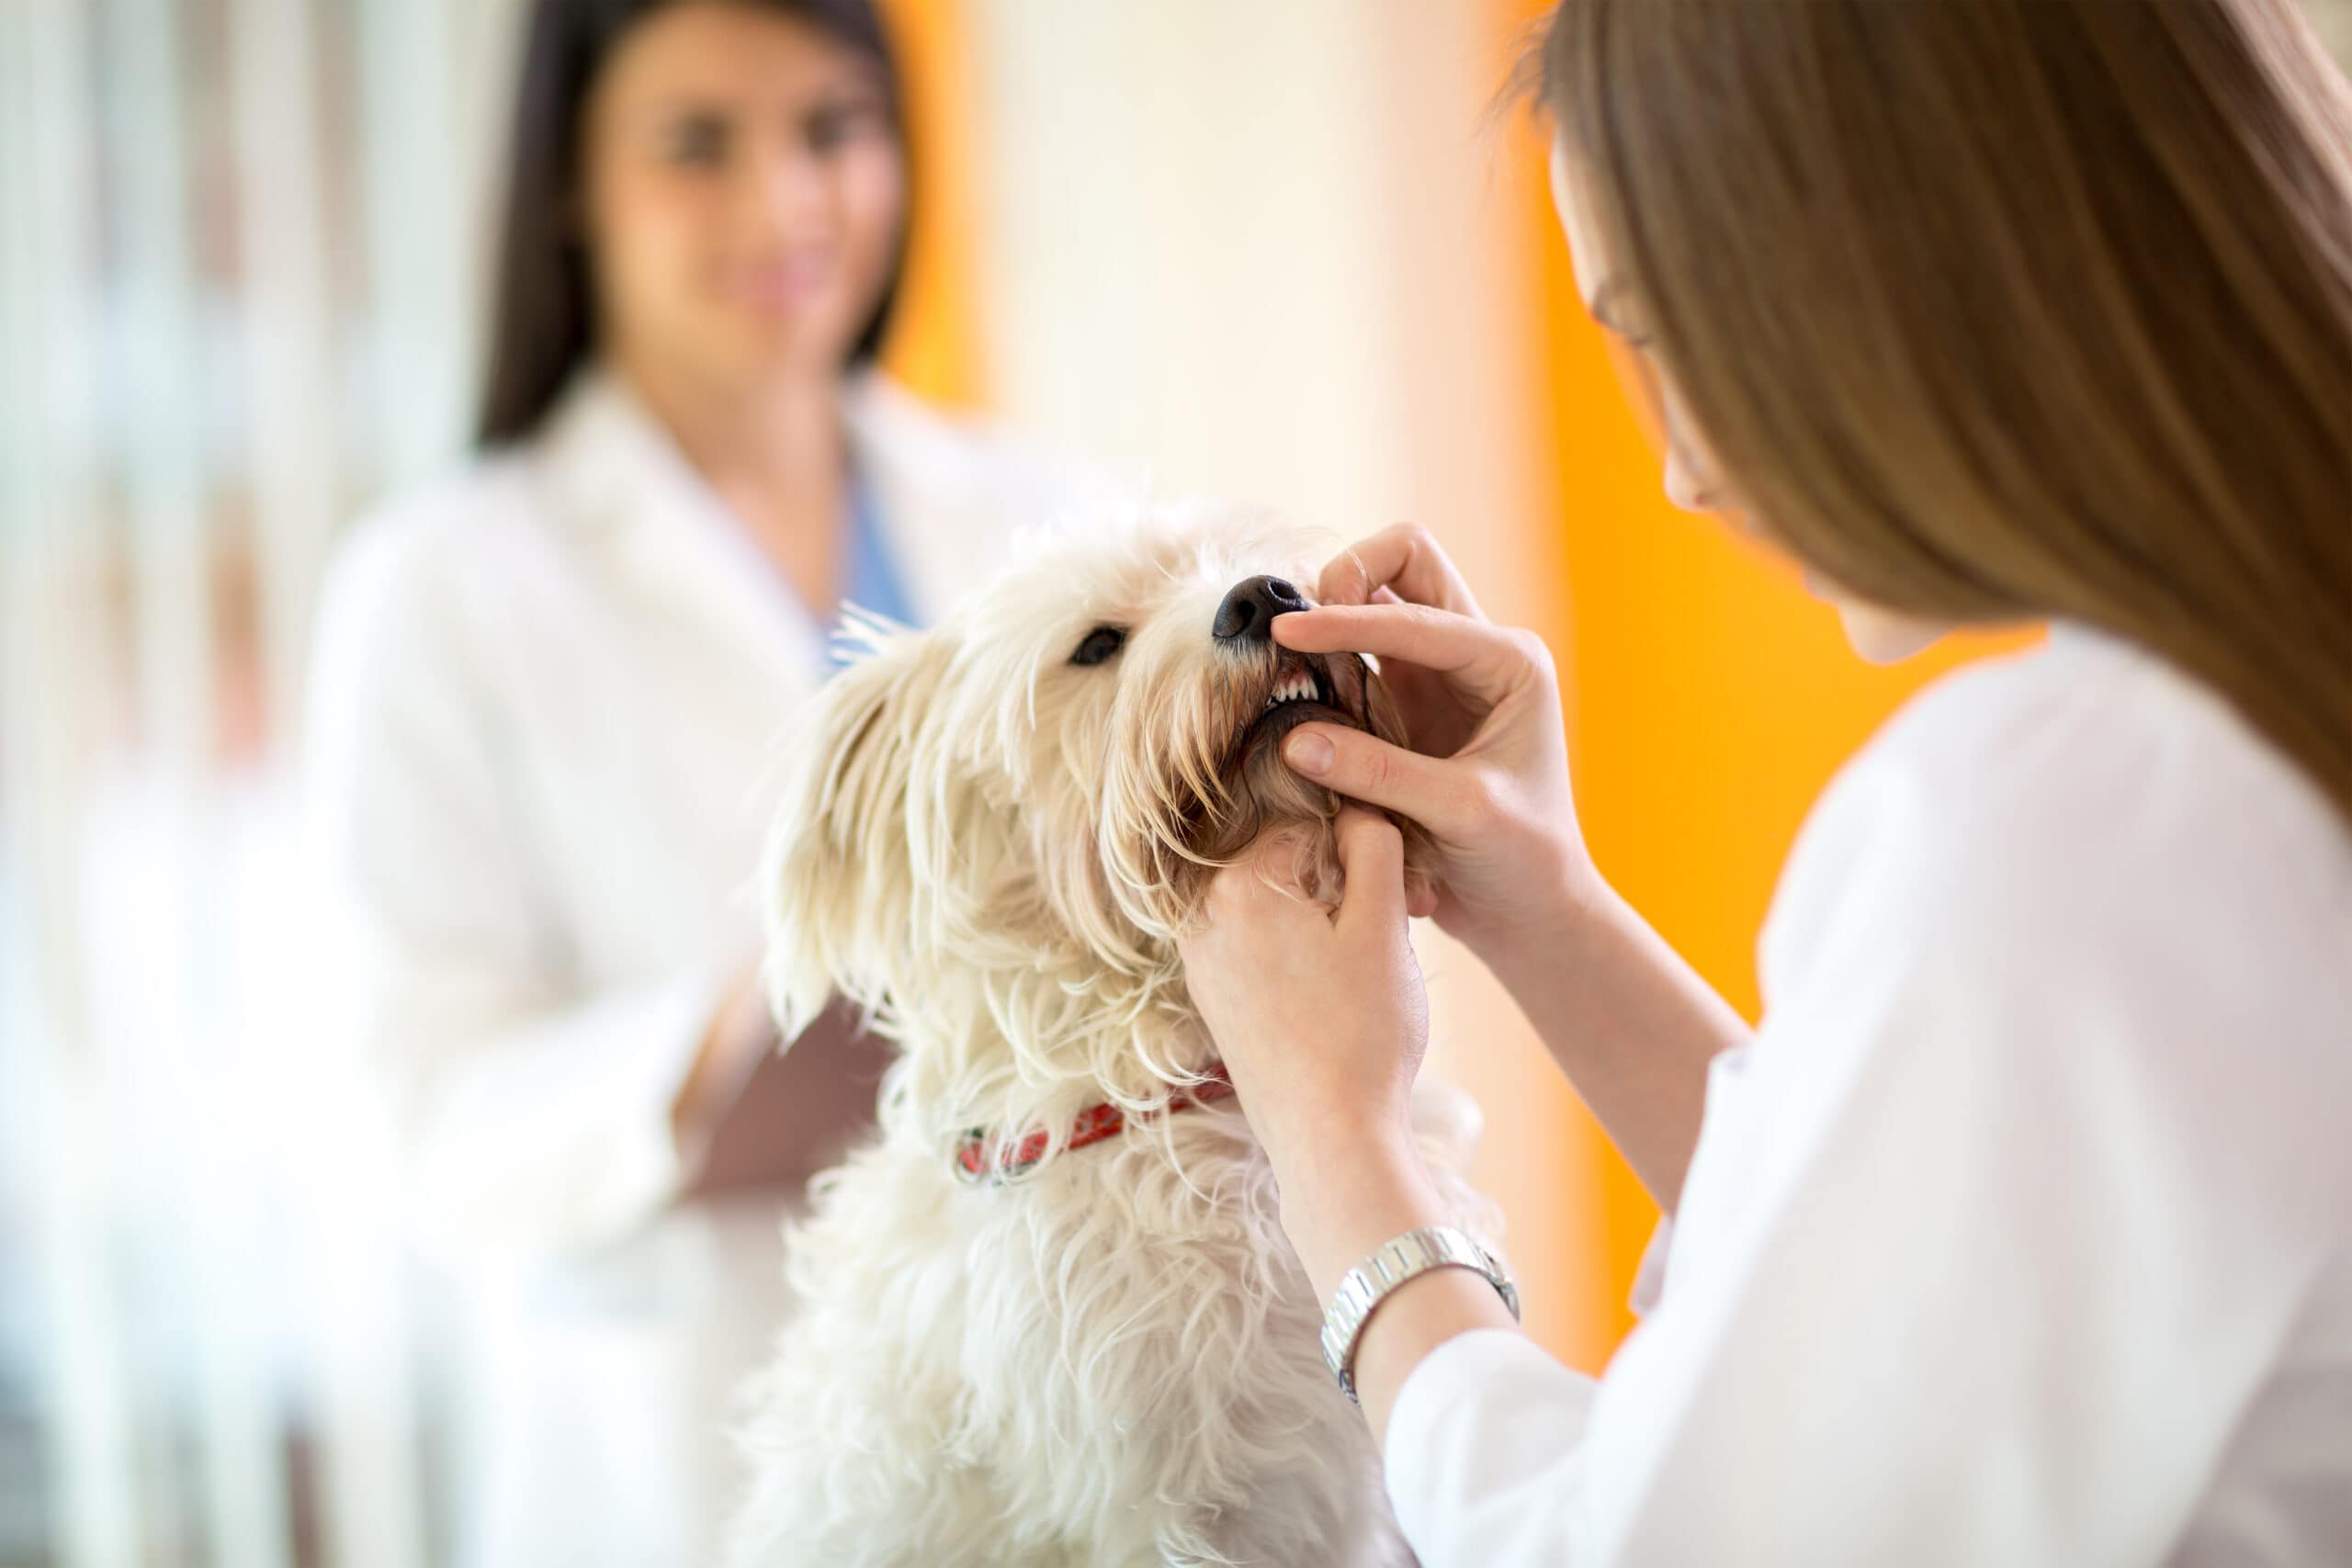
point(1296, 688)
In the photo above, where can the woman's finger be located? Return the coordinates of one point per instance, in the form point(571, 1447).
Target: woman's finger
point(1429, 790)
point(1482, 660)
point(1404, 558)
point(1372, 853)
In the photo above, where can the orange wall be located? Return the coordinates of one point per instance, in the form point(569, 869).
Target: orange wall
point(935, 340)
point(1710, 697)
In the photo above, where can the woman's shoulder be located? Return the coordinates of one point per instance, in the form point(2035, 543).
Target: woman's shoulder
point(492, 519)
point(2074, 890)
point(440, 511)
point(2038, 810)
point(412, 572)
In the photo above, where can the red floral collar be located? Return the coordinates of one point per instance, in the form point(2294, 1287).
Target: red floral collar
point(1094, 1123)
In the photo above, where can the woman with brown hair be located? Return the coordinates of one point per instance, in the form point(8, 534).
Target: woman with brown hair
point(2020, 1231)
point(550, 695)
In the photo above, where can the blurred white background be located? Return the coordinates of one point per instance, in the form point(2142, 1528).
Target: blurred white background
point(236, 291)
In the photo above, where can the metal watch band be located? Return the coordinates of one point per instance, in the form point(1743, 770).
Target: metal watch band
point(1367, 1284)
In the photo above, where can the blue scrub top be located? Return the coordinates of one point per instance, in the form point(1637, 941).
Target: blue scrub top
point(873, 581)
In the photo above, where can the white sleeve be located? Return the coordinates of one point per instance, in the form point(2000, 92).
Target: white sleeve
point(1484, 1455)
point(1990, 1239)
point(533, 1118)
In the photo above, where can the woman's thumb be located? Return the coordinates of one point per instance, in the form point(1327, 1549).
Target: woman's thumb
point(1372, 853)
point(1366, 768)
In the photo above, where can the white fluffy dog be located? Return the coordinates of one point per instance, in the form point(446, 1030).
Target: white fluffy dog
point(1026, 1337)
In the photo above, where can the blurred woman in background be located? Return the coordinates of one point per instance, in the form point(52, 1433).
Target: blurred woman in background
point(548, 693)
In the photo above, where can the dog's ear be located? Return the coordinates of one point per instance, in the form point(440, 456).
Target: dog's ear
point(839, 880)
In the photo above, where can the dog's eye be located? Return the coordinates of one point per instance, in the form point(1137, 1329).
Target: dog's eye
point(1099, 645)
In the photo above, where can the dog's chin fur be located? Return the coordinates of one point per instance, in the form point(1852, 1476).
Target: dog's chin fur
point(1112, 1358)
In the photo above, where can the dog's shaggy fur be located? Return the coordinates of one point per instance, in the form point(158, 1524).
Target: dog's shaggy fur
point(1110, 1359)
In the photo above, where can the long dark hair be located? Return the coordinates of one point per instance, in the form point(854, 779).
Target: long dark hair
point(543, 311)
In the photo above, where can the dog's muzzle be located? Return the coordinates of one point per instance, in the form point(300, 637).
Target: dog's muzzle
point(1291, 688)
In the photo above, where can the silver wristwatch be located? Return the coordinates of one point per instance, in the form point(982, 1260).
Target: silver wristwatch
point(1368, 1283)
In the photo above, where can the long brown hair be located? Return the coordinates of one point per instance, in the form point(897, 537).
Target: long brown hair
point(2008, 309)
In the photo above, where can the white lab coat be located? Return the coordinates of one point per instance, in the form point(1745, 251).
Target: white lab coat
point(548, 708)
point(2022, 1233)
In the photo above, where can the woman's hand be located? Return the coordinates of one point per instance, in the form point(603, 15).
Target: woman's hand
point(1318, 1012)
point(1630, 1022)
point(1488, 772)
point(741, 1032)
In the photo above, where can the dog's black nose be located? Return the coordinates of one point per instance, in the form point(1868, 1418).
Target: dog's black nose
point(1248, 610)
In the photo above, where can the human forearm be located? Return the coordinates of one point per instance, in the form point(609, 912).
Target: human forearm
point(1345, 1194)
point(738, 1032)
point(1320, 1019)
point(1630, 1021)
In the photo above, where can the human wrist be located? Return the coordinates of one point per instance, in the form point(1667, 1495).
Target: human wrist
point(1566, 901)
point(736, 1034)
point(1349, 1192)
